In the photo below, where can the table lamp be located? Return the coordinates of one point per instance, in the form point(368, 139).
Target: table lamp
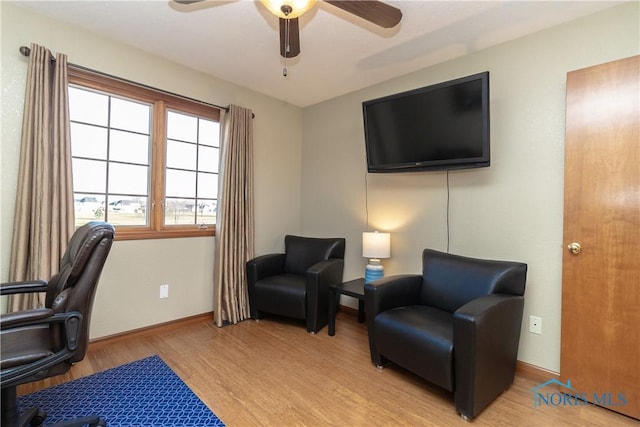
point(375, 245)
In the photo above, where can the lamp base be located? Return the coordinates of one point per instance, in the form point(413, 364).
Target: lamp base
point(373, 271)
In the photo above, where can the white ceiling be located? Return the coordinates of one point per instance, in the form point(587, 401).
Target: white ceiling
point(237, 40)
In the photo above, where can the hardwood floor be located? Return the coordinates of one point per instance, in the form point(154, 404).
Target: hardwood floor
point(273, 372)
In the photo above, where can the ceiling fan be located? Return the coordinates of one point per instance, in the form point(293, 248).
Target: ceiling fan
point(288, 11)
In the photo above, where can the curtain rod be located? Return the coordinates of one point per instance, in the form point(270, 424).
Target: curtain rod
point(26, 51)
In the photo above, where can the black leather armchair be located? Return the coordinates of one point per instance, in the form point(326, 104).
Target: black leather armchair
point(457, 325)
point(296, 284)
point(43, 342)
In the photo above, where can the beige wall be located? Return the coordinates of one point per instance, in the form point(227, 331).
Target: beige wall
point(512, 210)
point(127, 296)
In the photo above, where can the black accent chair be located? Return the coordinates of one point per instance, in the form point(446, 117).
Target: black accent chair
point(457, 325)
point(44, 342)
point(296, 284)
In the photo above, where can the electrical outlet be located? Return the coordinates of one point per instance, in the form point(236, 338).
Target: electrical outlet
point(164, 291)
point(535, 325)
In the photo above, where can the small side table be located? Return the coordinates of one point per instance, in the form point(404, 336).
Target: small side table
point(352, 288)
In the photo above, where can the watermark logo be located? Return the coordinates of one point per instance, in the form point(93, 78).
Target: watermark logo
point(545, 395)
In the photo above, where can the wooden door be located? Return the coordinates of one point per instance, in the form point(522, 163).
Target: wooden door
point(600, 350)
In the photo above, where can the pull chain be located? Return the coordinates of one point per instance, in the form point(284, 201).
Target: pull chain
point(287, 46)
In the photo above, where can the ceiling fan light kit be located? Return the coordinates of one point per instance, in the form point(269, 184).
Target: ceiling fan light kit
point(288, 9)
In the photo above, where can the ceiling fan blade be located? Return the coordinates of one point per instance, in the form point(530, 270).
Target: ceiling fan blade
point(374, 11)
point(289, 37)
point(187, 1)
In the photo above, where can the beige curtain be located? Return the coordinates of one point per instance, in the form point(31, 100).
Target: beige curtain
point(44, 216)
point(235, 217)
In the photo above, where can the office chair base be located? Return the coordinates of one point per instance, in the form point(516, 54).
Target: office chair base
point(32, 417)
point(91, 421)
point(35, 417)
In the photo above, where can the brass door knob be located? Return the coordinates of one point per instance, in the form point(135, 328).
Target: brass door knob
point(574, 248)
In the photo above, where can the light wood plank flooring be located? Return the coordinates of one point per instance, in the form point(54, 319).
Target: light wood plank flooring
point(274, 373)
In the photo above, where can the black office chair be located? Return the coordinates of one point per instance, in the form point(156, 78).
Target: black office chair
point(296, 283)
point(44, 342)
point(456, 325)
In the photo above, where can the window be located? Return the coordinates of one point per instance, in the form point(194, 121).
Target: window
point(143, 160)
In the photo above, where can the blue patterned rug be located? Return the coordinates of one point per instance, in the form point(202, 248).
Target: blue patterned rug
point(142, 393)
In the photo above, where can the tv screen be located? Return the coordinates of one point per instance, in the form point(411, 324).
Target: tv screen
point(437, 127)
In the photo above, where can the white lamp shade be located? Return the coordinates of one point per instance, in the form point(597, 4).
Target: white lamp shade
point(376, 245)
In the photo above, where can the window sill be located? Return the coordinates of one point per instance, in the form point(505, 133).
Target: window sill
point(124, 234)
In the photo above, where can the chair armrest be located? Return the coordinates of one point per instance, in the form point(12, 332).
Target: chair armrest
point(41, 317)
point(391, 292)
point(319, 277)
point(258, 268)
point(71, 320)
point(23, 318)
point(265, 266)
point(486, 334)
point(327, 272)
point(323, 274)
point(69, 335)
point(385, 294)
point(29, 286)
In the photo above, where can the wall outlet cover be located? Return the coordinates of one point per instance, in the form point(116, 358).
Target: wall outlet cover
point(164, 291)
point(535, 325)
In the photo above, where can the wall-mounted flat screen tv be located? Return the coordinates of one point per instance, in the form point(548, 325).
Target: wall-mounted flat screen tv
point(437, 127)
